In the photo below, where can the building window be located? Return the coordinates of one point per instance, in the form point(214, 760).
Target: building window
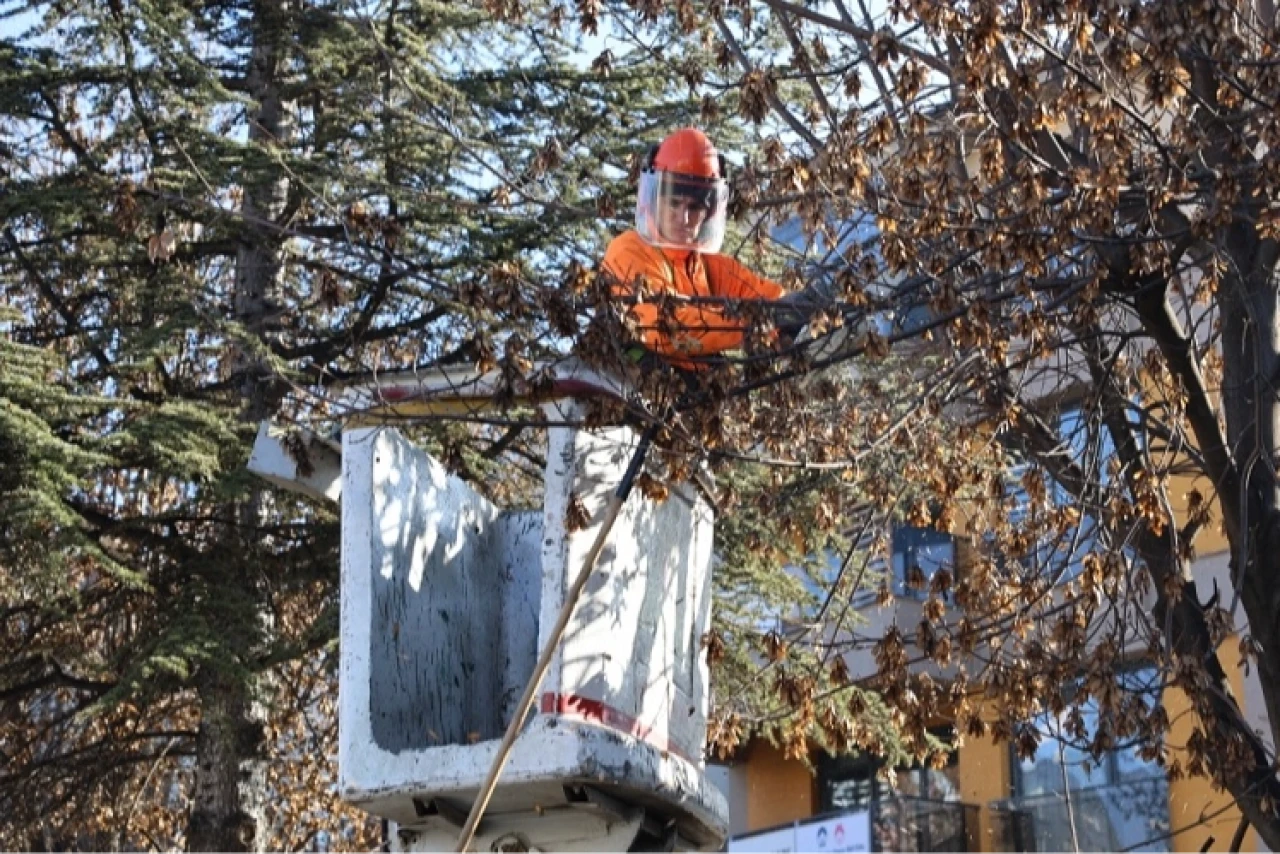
point(1059, 553)
point(1069, 801)
point(847, 783)
point(917, 554)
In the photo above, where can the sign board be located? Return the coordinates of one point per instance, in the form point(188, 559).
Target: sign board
point(849, 832)
point(783, 840)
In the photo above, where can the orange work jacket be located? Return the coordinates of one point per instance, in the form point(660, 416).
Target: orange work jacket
point(700, 329)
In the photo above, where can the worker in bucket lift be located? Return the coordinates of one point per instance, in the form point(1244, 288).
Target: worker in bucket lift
point(681, 209)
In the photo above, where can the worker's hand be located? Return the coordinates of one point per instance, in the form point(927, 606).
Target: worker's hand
point(789, 317)
point(788, 334)
point(793, 311)
point(825, 346)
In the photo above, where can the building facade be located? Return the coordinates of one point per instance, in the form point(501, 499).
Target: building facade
point(987, 799)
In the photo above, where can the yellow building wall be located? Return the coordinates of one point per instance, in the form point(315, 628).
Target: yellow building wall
point(779, 790)
point(1193, 799)
point(1210, 540)
point(985, 776)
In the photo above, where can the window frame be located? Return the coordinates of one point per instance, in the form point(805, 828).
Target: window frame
point(879, 791)
point(899, 573)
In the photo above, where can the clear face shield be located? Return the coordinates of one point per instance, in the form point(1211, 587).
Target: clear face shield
point(681, 211)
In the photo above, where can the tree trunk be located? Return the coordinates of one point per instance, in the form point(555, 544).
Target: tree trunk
point(1248, 772)
point(227, 811)
point(1248, 495)
point(1251, 366)
point(218, 821)
point(258, 258)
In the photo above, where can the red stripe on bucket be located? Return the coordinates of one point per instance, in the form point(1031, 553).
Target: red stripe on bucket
point(597, 712)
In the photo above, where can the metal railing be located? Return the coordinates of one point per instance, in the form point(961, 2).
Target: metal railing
point(901, 823)
point(905, 823)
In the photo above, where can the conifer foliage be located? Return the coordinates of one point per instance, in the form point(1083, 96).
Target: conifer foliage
point(1048, 230)
point(212, 211)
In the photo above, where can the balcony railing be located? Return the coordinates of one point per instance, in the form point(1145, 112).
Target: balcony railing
point(905, 823)
point(1130, 816)
point(902, 823)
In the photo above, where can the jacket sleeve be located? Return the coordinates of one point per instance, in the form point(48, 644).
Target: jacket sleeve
point(692, 329)
point(728, 278)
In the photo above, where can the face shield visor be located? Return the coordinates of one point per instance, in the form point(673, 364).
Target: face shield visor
point(681, 211)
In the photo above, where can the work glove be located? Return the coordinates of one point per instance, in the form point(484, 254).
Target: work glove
point(792, 312)
point(827, 345)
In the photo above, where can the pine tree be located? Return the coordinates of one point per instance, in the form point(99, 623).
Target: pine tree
point(214, 211)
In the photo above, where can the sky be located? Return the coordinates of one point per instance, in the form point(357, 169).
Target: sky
point(16, 19)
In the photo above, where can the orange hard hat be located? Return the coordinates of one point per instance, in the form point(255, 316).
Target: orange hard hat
point(688, 152)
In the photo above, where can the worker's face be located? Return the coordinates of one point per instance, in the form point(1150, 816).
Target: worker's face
point(681, 219)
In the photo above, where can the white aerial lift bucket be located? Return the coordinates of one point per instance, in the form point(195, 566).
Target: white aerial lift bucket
point(447, 601)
